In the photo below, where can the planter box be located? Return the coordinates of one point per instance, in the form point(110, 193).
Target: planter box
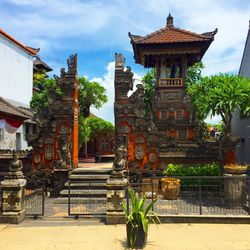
point(170, 188)
point(139, 237)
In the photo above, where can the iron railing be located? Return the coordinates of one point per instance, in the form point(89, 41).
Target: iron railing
point(227, 195)
point(34, 202)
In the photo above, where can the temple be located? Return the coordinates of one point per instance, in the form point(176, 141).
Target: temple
point(170, 131)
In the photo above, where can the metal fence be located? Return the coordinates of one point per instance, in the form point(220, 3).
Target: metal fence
point(86, 202)
point(34, 202)
point(227, 195)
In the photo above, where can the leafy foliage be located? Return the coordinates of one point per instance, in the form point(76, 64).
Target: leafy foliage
point(212, 169)
point(194, 73)
point(99, 126)
point(139, 214)
point(84, 131)
point(92, 127)
point(221, 95)
point(90, 94)
point(148, 82)
point(218, 126)
point(40, 98)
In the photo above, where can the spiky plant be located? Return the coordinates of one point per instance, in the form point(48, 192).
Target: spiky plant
point(139, 215)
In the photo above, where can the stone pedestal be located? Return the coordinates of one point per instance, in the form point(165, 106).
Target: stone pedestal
point(235, 189)
point(13, 207)
point(115, 197)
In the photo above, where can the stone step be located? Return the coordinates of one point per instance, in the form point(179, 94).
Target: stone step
point(84, 192)
point(87, 177)
point(84, 185)
point(91, 171)
point(81, 200)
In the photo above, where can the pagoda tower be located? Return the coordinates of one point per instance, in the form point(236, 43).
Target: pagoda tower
point(171, 51)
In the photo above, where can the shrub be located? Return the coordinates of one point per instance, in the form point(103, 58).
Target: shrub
point(211, 169)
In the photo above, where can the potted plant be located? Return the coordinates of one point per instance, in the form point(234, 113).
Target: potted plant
point(137, 220)
point(170, 186)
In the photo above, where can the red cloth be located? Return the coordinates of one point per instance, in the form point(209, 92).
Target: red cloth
point(14, 123)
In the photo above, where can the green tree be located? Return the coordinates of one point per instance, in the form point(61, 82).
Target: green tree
point(91, 128)
point(148, 82)
point(90, 94)
point(40, 98)
point(221, 95)
point(194, 73)
point(84, 132)
point(99, 127)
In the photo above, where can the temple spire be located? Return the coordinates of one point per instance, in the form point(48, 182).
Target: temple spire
point(170, 21)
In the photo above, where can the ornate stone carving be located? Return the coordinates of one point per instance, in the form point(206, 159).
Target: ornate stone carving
point(64, 130)
point(49, 152)
point(139, 140)
point(57, 120)
point(137, 100)
point(139, 151)
point(152, 157)
point(123, 129)
point(64, 152)
point(119, 60)
point(37, 158)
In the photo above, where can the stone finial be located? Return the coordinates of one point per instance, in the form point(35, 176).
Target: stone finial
point(119, 60)
point(170, 21)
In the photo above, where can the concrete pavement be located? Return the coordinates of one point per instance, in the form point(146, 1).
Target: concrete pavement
point(91, 234)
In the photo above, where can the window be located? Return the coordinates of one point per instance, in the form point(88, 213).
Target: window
point(1, 134)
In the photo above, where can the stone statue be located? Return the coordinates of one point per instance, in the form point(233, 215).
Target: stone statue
point(64, 151)
point(137, 99)
point(119, 60)
point(119, 162)
point(16, 165)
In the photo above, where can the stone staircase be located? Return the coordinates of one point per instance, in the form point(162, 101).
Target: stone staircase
point(85, 184)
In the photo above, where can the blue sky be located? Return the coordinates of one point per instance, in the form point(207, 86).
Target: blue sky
point(97, 29)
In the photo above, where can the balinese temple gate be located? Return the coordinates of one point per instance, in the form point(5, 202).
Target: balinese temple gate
point(55, 140)
point(170, 131)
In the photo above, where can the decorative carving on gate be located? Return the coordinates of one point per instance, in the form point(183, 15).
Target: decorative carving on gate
point(56, 134)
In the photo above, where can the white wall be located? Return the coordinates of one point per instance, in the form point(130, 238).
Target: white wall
point(16, 72)
point(8, 141)
point(241, 129)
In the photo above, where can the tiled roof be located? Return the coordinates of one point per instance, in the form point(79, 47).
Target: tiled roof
point(8, 109)
point(39, 63)
point(26, 111)
point(172, 35)
point(26, 48)
point(245, 62)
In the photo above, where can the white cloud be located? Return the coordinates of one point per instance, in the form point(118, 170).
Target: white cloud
point(105, 24)
point(107, 81)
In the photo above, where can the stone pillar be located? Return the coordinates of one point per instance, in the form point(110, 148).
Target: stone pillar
point(13, 207)
point(116, 185)
point(235, 189)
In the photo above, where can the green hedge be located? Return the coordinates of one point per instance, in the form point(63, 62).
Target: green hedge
point(211, 169)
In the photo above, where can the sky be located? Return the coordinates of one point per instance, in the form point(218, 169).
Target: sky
point(95, 30)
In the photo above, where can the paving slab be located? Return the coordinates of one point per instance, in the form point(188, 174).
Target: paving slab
point(38, 235)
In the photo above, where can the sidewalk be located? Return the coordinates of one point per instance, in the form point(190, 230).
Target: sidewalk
point(91, 234)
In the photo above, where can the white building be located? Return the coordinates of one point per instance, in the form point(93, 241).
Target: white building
point(16, 83)
point(241, 127)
